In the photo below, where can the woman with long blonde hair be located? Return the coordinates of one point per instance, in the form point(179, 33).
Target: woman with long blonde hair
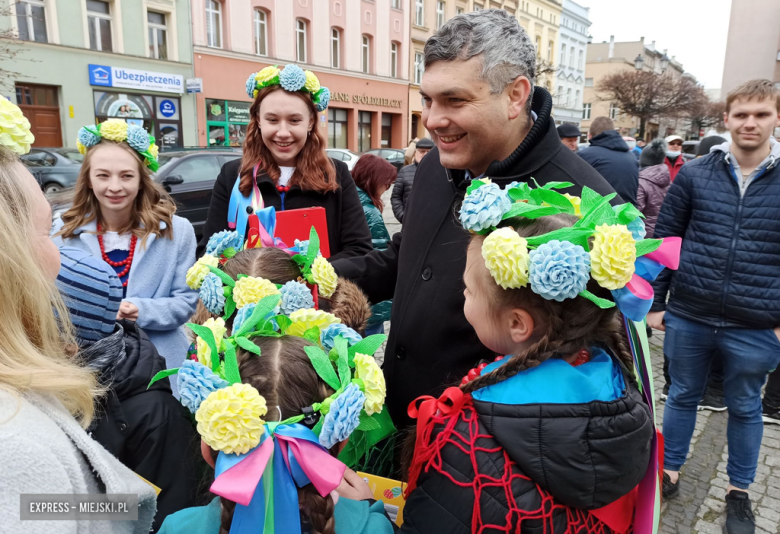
point(46, 397)
point(120, 214)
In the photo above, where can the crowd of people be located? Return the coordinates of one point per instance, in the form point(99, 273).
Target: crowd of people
point(231, 384)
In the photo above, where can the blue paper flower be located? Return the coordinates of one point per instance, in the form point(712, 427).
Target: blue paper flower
point(251, 83)
point(343, 417)
point(292, 78)
point(484, 207)
point(87, 138)
point(637, 228)
point(324, 99)
point(222, 241)
point(196, 382)
point(303, 246)
point(137, 138)
point(328, 337)
point(212, 294)
point(295, 296)
point(246, 312)
point(559, 270)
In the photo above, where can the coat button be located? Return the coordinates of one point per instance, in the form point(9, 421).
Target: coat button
point(427, 273)
point(122, 427)
point(400, 353)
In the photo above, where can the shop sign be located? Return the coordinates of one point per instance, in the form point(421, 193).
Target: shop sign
point(366, 99)
point(105, 76)
point(194, 85)
point(167, 108)
point(238, 111)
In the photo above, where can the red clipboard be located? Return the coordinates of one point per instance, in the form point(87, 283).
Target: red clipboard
point(296, 224)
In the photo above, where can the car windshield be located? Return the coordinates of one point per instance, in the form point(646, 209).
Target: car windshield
point(73, 155)
point(166, 159)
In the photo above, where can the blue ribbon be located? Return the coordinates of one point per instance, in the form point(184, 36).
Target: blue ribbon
point(237, 210)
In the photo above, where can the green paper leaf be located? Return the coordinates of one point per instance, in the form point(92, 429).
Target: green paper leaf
point(342, 362)
point(601, 303)
point(646, 246)
point(226, 280)
point(230, 307)
point(312, 334)
point(589, 198)
point(240, 276)
point(300, 259)
point(229, 253)
point(314, 246)
point(321, 364)
point(284, 322)
point(529, 211)
point(367, 422)
point(231, 366)
point(475, 184)
point(578, 236)
point(627, 213)
point(247, 345)
point(521, 191)
point(165, 373)
point(600, 213)
point(554, 198)
point(557, 185)
point(318, 427)
point(367, 346)
point(262, 309)
point(207, 335)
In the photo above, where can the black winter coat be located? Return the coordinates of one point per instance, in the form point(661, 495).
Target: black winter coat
point(609, 155)
point(348, 232)
point(149, 431)
point(431, 344)
point(729, 274)
point(585, 455)
point(401, 190)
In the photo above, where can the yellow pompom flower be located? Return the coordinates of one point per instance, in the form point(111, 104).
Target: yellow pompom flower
point(154, 150)
point(612, 256)
point(312, 82)
point(82, 149)
point(231, 419)
point(506, 257)
point(15, 132)
point(250, 290)
point(576, 202)
point(114, 130)
point(266, 74)
point(218, 328)
point(303, 320)
point(198, 272)
point(373, 379)
point(324, 276)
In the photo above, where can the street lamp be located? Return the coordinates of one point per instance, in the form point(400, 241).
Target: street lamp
point(664, 63)
point(639, 62)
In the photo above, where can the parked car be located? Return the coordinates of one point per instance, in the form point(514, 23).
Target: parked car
point(54, 168)
point(189, 177)
point(342, 154)
point(393, 155)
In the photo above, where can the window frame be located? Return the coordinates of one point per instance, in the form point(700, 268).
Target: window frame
point(440, 10)
point(419, 67)
point(550, 50)
point(298, 33)
point(586, 111)
point(217, 14)
point(394, 49)
point(157, 26)
point(563, 53)
point(335, 38)
point(365, 54)
point(29, 19)
point(614, 111)
point(395, 4)
point(580, 59)
point(98, 17)
point(257, 23)
point(419, 13)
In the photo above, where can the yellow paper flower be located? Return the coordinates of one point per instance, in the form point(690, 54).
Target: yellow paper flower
point(373, 379)
point(506, 257)
point(266, 74)
point(612, 256)
point(303, 320)
point(154, 150)
point(576, 202)
point(217, 327)
point(82, 149)
point(198, 272)
point(312, 82)
point(114, 130)
point(324, 276)
point(250, 290)
point(231, 419)
point(15, 132)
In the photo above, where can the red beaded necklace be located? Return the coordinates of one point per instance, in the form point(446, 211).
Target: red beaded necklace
point(282, 188)
point(128, 262)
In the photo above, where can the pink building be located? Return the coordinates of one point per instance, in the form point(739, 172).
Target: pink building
point(357, 48)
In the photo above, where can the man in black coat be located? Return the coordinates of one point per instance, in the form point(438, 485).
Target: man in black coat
point(611, 157)
point(403, 184)
point(487, 122)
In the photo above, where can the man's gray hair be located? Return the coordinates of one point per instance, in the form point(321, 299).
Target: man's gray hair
point(507, 51)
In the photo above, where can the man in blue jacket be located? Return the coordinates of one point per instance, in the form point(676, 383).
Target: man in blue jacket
point(725, 297)
point(610, 156)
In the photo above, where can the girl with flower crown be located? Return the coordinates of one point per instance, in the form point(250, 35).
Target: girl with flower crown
point(121, 215)
point(285, 165)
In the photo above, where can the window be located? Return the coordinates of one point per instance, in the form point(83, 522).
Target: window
point(387, 130)
point(571, 58)
point(38, 158)
point(366, 48)
point(393, 60)
point(31, 21)
point(214, 23)
point(538, 46)
point(335, 47)
point(588, 82)
point(99, 21)
point(577, 99)
point(337, 128)
point(419, 13)
point(477, 7)
point(614, 111)
point(550, 46)
point(563, 54)
point(197, 169)
point(261, 33)
point(364, 131)
point(559, 95)
point(419, 67)
point(396, 4)
point(300, 40)
point(579, 60)
point(568, 98)
point(439, 15)
point(158, 35)
point(458, 10)
point(586, 112)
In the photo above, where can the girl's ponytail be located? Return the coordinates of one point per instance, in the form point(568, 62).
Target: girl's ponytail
point(319, 510)
point(226, 518)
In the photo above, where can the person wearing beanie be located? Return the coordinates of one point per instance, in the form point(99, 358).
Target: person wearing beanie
point(706, 144)
point(148, 430)
point(570, 136)
point(654, 182)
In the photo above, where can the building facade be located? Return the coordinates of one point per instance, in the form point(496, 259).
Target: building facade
point(84, 61)
point(542, 19)
point(570, 79)
point(357, 48)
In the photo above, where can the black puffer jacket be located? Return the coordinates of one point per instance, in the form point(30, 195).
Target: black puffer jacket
point(585, 455)
point(401, 190)
point(609, 155)
point(149, 431)
point(431, 344)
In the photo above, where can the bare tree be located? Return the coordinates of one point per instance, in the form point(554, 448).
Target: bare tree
point(647, 95)
point(706, 113)
point(9, 49)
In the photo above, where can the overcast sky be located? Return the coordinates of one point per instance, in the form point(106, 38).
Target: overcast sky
point(693, 30)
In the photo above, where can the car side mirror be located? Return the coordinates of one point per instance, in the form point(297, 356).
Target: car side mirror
point(173, 180)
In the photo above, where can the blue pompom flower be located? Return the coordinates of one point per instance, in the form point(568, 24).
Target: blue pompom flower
point(328, 337)
point(292, 78)
point(251, 83)
point(559, 270)
point(245, 313)
point(196, 382)
point(87, 138)
point(324, 99)
point(303, 246)
point(343, 417)
point(484, 207)
point(222, 241)
point(212, 294)
point(295, 296)
point(137, 138)
point(637, 229)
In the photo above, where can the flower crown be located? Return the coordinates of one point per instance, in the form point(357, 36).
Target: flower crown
point(607, 244)
point(118, 131)
point(292, 78)
point(14, 128)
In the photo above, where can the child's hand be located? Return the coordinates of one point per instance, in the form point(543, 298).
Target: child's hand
point(127, 310)
point(655, 320)
point(353, 487)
